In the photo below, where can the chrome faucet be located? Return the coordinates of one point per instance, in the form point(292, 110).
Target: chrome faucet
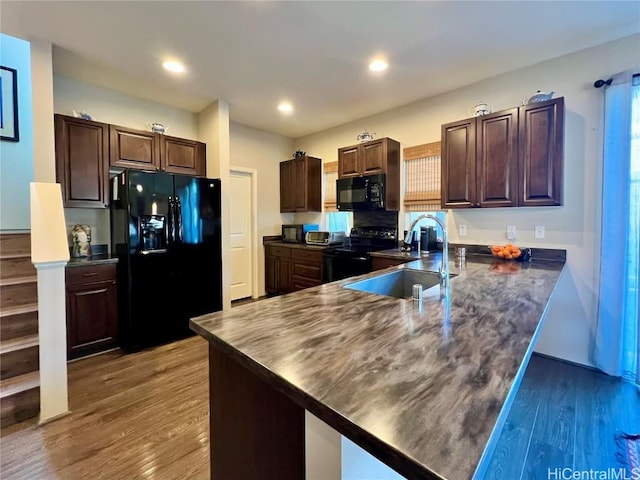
point(444, 265)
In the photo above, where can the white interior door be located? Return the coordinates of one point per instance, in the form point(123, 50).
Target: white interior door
point(241, 254)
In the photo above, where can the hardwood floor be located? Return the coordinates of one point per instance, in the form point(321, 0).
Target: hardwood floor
point(145, 415)
point(564, 416)
point(142, 415)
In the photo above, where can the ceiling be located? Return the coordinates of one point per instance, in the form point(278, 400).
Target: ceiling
point(314, 54)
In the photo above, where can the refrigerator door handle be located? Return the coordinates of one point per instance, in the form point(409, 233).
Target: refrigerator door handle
point(172, 221)
point(178, 223)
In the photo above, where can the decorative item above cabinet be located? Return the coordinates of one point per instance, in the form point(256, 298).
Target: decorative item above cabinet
point(510, 158)
point(374, 157)
point(301, 185)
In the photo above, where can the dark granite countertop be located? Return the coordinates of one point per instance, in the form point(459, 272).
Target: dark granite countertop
point(425, 390)
point(92, 260)
point(297, 245)
point(397, 253)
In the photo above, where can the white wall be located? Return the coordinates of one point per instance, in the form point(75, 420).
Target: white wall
point(16, 158)
point(262, 151)
point(109, 106)
point(575, 226)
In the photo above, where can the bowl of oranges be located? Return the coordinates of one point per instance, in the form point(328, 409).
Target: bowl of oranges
point(511, 252)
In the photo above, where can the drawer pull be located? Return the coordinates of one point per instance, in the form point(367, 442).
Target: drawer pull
point(93, 274)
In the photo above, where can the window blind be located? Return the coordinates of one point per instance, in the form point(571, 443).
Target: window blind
point(422, 173)
point(330, 170)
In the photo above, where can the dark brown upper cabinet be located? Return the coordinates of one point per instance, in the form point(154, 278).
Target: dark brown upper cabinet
point(505, 159)
point(151, 151)
point(82, 161)
point(368, 158)
point(371, 158)
point(301, 185)
point(179, 155)
point(134, 148)
point(541, 137)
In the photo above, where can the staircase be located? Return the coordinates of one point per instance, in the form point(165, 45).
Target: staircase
point(19, 376)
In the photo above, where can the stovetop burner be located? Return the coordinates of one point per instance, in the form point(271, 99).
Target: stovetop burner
point(353, 258)
point(368, 239)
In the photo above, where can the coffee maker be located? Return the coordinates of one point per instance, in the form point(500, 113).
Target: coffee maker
point(428, 239)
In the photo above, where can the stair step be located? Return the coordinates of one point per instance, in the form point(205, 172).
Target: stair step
point(18, 309)
point(17, 267)
point(5, 282)
point(9, 256)
point(19, 398)
point(18, 384)
point(15, 244)
point(13, 344)
point(18, 294)
point(19, 356)
point(19, 325)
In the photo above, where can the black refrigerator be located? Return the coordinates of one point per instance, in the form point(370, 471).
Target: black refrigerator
point(166, 232)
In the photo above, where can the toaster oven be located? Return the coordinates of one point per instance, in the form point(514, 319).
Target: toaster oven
point(324, 238)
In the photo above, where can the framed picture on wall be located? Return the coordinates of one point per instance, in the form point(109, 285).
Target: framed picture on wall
point(8, 104)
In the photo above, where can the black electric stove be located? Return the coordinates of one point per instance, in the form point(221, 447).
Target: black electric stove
point(353, 257)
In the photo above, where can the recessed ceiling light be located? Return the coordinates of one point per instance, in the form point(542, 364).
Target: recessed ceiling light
point(378, 65)
point(285, 107)
point(173, 66)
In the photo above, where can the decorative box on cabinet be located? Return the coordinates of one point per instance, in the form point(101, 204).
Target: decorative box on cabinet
point(371, 158)
point(92, 309)
point(508, 158)
point(301, 185)
point(82, 161)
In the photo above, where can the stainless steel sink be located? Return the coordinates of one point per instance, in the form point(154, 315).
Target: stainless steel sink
point(396, 284)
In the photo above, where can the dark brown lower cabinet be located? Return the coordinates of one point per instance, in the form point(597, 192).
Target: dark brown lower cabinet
point(277, 269)
point(92, 309)
point(291, 268)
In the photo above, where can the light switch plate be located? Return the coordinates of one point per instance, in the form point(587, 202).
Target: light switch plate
point(511, 232)
point(462, 230)
point(539, 231)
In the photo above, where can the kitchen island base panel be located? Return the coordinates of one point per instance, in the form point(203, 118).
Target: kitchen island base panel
point(257, 433)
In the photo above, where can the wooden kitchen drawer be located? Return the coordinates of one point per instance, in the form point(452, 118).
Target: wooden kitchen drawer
point(90, 274)
point(307, 270)
point(278, 251)
point(299, 283)
point(307, 255)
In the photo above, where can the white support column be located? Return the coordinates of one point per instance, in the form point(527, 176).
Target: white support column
point(213, 129)
point(49, 254)
point(52, 333)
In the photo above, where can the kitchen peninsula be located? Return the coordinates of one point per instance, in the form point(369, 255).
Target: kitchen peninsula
point(423, 389)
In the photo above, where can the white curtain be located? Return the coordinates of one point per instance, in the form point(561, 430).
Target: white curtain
point(616, 343)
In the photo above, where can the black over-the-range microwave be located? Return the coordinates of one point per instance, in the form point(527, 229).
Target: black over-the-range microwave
point(360, 193)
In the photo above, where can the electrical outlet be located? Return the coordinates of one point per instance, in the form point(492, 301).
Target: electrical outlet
point(462, 230)
point(539, 231)
point(511, 232)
